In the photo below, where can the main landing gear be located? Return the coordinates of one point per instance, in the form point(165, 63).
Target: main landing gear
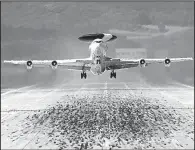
point(83, 75)
point(113, 74)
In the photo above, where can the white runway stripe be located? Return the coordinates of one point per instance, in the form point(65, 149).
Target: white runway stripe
point(6, 90)
point(105, 94)
point(111, 89)
point(126, 86)
point(49, 93)
point(46, 95)
point(15, 90)
point(130, 92)
point(157, 88)
point(172, 81)
point(183, 85)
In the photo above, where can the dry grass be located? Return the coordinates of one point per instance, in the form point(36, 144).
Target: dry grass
point(119, 123)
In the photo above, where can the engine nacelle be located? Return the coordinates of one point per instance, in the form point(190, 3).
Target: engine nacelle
point(142, 62)
point(29, 64)
point(54, 64)
point(167, 62)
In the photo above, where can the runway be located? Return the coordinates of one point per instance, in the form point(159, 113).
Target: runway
point(65, 115)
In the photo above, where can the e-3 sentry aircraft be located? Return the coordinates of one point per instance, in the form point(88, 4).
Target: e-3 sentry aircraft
point(98, 62)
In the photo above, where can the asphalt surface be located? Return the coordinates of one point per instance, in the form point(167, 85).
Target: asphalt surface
point(91, 114)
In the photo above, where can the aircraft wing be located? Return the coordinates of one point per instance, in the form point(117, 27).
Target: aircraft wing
point(70, 64)
point(119, 63)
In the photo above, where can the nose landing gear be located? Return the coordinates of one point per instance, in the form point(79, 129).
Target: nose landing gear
point(113, 74)
point(83, 75)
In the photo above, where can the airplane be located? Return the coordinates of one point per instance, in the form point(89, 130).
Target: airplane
point(98, 62)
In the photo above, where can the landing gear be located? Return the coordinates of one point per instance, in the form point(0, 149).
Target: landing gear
point(83, 75)
point(97, 61)
point(113, 74)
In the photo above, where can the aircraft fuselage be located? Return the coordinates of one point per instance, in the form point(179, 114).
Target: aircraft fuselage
point(98, 50)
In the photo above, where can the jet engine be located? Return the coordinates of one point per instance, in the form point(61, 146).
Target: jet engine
point(29, 64)
point(54, 64)
point(167, 62)
point(142, 63)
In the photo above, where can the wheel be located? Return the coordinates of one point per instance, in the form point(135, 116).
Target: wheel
point(81, 75)
point(111, 75)
point(85, 75)
point(115, 75)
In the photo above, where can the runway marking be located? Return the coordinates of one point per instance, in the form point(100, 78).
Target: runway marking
point(92, 89)
point(31, 132)
point(6, 89)
point(79, 89)
point(169, 96)
point(22, 93)
point(12, 91)
point(34, 135)
point(126, 86)
point(131, 93)
point(89, 83)
point(163, 91)
point(33, 138)
point(52, 91)
point(154, 88)
point(180, 84)
point(184, 85)
point(8, 117)
point(17, 115)
point(105, 93)
point(175, 99)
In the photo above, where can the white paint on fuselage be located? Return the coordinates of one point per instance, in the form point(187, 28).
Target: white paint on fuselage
point(98, 50)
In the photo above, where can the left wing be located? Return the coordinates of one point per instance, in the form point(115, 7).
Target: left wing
point(118, 63)
point(70, 64)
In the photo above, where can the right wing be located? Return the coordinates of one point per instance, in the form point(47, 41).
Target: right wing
point(70, 64)
point(118, 63)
